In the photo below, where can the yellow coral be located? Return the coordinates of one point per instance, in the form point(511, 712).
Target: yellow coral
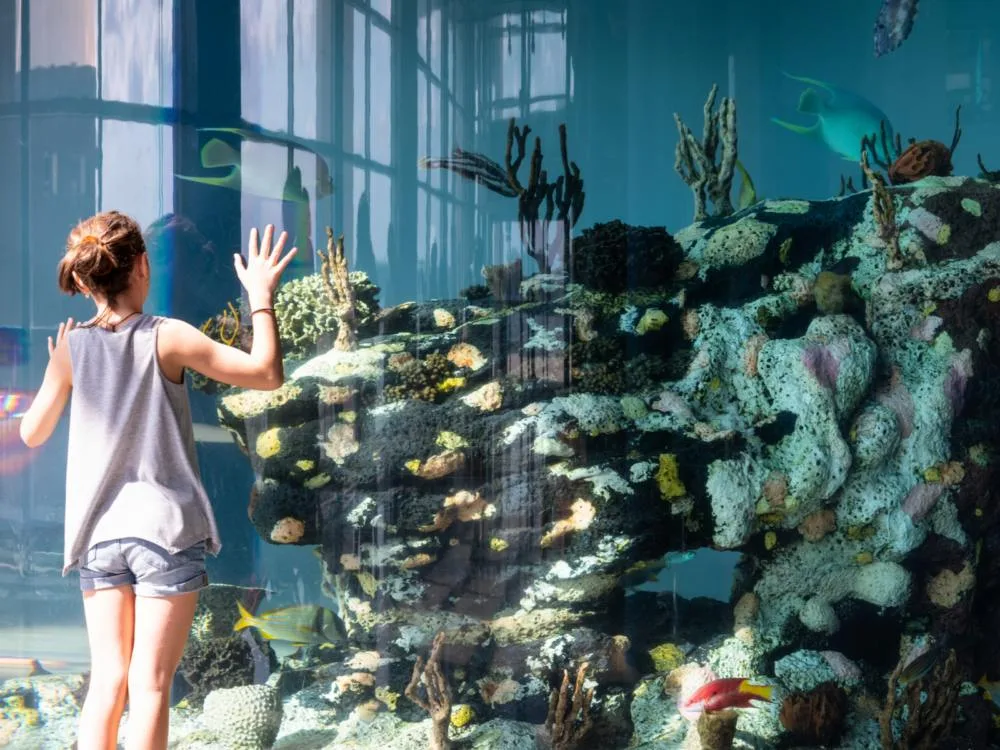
point(450, 384)
point(651, 320)
point(451, 440)
point(461, 715)
point(770, 540)
point(413, 465)
point(498, 545)
point(269, 443)
point(305, 464)
point(932, 474)
point(993, 295)
point(387, 696)
point(864, 558)
point(668, 478)
point(348, 416)
point(666, 657)
point(314, 483)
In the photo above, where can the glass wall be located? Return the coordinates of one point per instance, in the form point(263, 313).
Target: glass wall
point(654, 417)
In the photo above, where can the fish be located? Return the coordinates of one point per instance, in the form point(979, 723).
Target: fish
point(991, 690)
point(476, 167)
point(322, 151)
point(893, 24)
point(722, 694)
point(647, 571)
point(921, 665)
point(747, 195)
point(843, 119)
point(300, 625)
point(253, 178)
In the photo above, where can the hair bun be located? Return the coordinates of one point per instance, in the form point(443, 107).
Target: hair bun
point(95, 252)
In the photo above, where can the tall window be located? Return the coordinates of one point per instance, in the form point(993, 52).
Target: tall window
point(446, 202)
point(532, 70)
point(368, 34)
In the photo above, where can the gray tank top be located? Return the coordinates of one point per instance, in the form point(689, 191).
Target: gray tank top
point(132, 470)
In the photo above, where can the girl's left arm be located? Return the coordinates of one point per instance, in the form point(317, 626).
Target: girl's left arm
point(39, 422)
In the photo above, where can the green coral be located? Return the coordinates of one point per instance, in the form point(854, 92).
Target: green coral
point(307, 317)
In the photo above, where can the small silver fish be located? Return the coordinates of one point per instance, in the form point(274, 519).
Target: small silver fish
point(893, 25)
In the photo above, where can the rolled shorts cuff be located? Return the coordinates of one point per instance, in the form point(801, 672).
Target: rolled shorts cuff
point(148, 568)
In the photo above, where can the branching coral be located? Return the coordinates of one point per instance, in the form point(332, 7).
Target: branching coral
point(437, 702)
point(884, 212)
point(696, 163)
point(568, 721)
point(336, 279)
point(563, 198)
point(931, 705)
point(308, 316)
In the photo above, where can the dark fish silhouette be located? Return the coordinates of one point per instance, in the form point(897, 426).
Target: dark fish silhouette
point(894, 24)
point(476, 167)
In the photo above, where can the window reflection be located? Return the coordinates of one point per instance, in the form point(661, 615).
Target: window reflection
point(62, 33)
point(264, 62)
point(306, 60)
point(532, 67)
point(136, 50)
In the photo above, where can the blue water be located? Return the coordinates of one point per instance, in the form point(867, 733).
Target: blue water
point(104, 103)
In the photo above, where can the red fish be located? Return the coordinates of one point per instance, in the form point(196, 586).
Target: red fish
point(719, 695)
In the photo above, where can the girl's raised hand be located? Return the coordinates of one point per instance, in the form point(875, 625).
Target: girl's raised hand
point(64, 329)
point(264, 265)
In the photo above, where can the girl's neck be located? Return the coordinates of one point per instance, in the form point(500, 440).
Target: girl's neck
point(112, 317)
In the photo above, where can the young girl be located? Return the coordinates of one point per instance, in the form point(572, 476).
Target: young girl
point(138, 522)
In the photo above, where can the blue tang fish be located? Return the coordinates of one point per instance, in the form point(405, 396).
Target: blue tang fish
point(843, 118)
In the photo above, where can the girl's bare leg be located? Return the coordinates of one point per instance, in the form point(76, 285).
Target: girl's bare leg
point(162, 624)
point(109, 614)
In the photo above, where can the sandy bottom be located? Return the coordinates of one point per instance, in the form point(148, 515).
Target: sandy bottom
point(60, 649)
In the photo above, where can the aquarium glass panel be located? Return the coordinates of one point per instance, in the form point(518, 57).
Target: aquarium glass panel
point(639, 364)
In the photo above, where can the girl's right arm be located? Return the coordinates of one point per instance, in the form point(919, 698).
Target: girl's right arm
point(181, 345)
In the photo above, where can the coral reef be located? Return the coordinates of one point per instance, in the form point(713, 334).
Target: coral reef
point(787, 387)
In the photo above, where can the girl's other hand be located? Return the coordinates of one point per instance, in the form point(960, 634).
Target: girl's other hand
point(263, 267)
point(64, 329)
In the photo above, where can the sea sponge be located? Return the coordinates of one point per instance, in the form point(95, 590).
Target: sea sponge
point(817, 717)
point(268, 443)
point(288, 530)
point(668, 478)
point(666, 657)
point(247, 717)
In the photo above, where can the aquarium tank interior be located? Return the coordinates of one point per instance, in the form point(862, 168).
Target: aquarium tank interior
point(641, 365)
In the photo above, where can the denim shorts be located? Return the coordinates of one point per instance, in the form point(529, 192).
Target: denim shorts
point(149, 569)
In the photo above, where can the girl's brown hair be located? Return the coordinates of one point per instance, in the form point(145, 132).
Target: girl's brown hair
point(101, 251)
